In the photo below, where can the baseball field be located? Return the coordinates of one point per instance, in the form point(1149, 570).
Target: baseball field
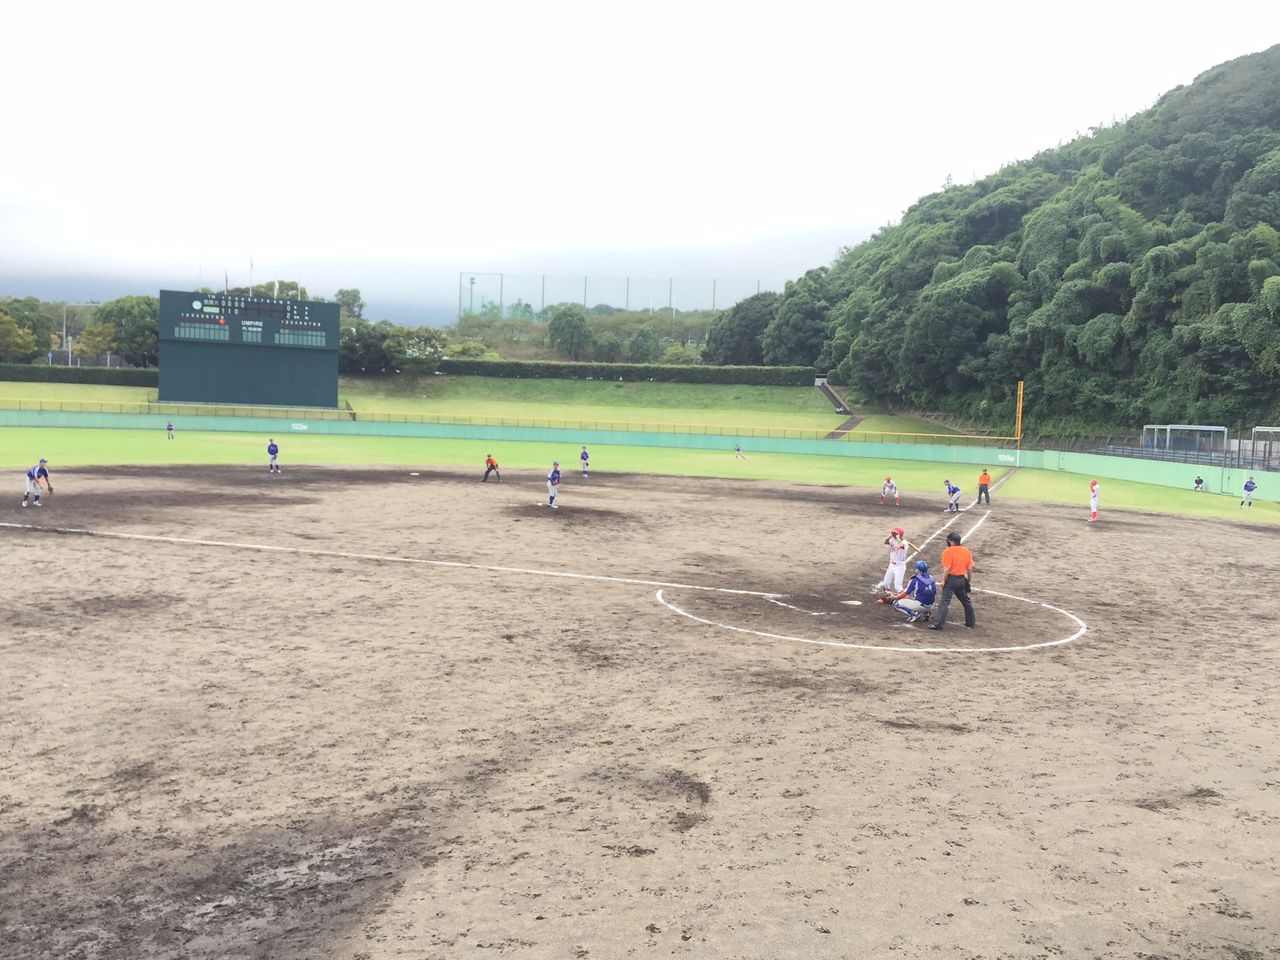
point(375, 711)
point(374, 708)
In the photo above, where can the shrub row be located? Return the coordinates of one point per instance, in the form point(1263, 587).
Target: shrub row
point(665, 373)
point(115, 376)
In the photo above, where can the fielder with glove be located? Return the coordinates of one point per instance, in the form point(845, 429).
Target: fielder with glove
point(38, 473)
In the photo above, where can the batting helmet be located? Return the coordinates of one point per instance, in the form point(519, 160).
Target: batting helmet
point(898, 532)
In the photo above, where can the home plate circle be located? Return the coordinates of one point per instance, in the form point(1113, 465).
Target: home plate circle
point(831, 622)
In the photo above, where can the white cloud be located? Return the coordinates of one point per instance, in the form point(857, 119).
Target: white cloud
point(148, 139)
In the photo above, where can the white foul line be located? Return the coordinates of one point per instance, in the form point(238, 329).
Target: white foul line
point(662, 585)
point(921, 545)
point(869, 646)
point(344, 555)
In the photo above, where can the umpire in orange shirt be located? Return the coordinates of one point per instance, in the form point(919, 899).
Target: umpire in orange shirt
point(984, 486)
point(957, 562)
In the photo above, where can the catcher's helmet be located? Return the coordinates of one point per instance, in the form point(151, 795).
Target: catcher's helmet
point(953, 537)
point(922, 566)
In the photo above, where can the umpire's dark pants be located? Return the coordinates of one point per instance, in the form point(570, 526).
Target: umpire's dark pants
point(983, 491)
point(959, 586)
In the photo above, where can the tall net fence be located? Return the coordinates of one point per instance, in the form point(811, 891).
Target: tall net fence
point(526, 296)
point(1264, 448)
point(1185, 441)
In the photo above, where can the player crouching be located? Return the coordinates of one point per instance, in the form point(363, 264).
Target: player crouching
point(916, 601)
point(890, 489)
point(38, 473)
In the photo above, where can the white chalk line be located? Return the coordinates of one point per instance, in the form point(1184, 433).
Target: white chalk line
point(1083, 627)
point(812, 613)
point(380, 558)
point(874, 646)
point(920, 547)
point(771, 596)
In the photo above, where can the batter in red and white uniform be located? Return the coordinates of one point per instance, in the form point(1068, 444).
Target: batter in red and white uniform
point(897, 569)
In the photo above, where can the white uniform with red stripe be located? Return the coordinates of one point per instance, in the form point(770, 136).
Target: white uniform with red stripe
point(896, 572)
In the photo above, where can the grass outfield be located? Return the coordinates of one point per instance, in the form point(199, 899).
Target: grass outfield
point(604, 400)
point(572, 400)
point(1051, 486)
point(21, 446)
point(892, 423)
point(12, 391)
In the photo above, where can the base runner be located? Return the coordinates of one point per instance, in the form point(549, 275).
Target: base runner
point(953, 497)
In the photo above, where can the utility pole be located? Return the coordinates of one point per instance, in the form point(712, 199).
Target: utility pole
point(65, 344)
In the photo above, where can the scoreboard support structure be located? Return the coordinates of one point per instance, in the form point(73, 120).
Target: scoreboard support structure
point(223, 348)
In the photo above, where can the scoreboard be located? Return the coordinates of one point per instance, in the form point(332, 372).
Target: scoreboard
point(223, 348)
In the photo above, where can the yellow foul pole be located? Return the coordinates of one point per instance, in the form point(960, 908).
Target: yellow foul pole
point(1017, 425)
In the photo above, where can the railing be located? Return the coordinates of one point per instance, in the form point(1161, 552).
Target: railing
point(189, 410)
point(1238, 459)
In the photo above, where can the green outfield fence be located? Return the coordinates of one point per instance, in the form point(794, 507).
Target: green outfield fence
point(521, 430)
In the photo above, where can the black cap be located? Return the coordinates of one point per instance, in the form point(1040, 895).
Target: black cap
point(953, 537)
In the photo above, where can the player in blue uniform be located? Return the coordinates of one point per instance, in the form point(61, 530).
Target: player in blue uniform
point(953, 497)
point(586, 461)
point(34, 476)
point(553, 484)
point(916, 601)
point(170, 429)
point(1249, 487)
point(273, 457)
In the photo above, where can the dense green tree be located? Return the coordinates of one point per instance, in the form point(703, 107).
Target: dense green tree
point(736, 335)
point(136, 321)
point(362, 346)
point(36, 318)
point(679, 354)
point(1125, 276)
point(350, 301)
point(568, 331)
point(97, 341)
point(17, 344)
point(416, 351)
point(644, 347)
point(607, 348)
point(795, 335)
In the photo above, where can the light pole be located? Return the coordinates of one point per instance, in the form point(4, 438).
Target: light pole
point(472, 307)
point(65, 344)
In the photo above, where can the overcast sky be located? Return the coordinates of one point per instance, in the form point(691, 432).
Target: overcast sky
point(374, 145)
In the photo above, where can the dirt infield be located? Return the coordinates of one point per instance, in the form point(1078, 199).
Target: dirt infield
point(405, 733)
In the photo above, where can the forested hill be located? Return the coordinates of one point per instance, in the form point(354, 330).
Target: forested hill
point(1130, 276)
